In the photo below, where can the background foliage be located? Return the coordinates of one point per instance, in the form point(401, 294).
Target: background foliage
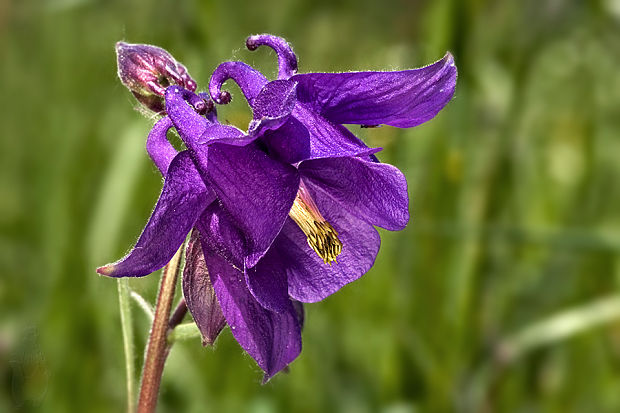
point(514, 187)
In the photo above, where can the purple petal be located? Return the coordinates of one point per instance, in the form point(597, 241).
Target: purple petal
point(224, 134)
point(227, 135)
point(159, 148)
point(219, 232)
point(272, 106)
point(199, 293)
point(250, 81)
point(272, 339)
point(309, 278)
point(193, 128)
point(182, 200)
point(328, 139)
point(267, 282)
point(374, 192)
point(190, 125)
point(287, 61)
point(308, 135)
point(405, 98)
point(290, 143)
point(257, 192)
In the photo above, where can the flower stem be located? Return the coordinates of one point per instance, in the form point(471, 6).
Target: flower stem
point(126, 326)
point(158, 348)
point(146, 307)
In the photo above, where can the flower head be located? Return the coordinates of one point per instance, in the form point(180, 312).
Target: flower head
point(287, 210)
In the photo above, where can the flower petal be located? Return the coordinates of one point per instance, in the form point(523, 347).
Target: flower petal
point(190, 125)
point(193, 128)
point(328, 139)
point(290, 143)
point(374, 192)
point(272, 106)
point(287, 61)
point(182, 200)
point(219, 232)
point(159, 148)
point(267, 281)
point(309, 278)
point(199, 293)
point(404, 98)
point(257, 192)
point(272, 339)
point(250, 81)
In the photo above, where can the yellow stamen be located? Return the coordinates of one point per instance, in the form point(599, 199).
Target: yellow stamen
point(321, 236)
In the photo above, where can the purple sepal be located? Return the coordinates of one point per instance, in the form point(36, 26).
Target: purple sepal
point(326, 138)
point(158, 147)
point(182, 200)
point(272, 339)
point(268, 283)
point(404, 98)
point(255, 190)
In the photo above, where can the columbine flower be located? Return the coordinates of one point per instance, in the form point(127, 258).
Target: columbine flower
point(342, 190)
point(286, 212)
point(272, 339)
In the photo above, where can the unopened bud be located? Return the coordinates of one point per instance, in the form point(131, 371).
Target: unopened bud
point(199, 293)
point(147, 70)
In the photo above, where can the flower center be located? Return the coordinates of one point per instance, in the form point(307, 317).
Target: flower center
point(321, 236)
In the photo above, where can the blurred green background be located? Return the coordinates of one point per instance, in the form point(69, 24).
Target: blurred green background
point(501, 295)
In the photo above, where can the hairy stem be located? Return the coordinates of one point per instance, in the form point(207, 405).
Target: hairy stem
point(144, 305)
point(126, 326)
point(158, 348)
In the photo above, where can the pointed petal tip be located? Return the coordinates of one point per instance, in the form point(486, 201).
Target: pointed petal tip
point(119, 271)
point(107, 270)
point(268, 375)
point(448, 62)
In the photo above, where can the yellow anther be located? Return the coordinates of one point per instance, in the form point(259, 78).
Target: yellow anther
point(321, 236)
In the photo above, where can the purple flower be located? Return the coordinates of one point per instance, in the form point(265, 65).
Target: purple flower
point(272, 339)
point(286, 212)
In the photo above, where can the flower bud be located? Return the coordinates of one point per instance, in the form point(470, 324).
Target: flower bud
point(147, 70)
point(199, 293)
